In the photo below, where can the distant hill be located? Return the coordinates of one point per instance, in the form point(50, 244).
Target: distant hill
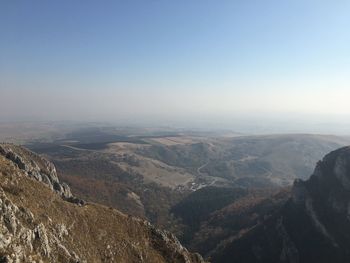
point(248, 161)
point(147, 179)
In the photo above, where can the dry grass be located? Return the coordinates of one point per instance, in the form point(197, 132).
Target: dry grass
point(170, 141)
point(94, 230)
point(152, 170)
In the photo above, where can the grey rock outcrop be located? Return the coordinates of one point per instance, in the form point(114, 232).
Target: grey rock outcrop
point(22, 238)
point(39, 169)
point(167, 242)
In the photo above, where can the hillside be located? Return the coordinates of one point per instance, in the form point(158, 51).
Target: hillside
point(41, 221)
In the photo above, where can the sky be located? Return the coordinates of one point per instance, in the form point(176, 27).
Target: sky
point(171, 61)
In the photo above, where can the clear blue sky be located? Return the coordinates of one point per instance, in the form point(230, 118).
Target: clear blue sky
point(120, 59)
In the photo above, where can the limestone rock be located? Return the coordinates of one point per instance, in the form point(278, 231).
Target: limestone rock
point(37, 224)
point(39, 169)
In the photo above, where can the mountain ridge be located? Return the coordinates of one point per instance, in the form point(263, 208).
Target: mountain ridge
point(312, 226)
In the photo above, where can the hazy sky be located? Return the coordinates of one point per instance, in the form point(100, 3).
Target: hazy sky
point(129, 59)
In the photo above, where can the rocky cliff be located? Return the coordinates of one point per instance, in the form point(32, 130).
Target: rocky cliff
point(312, 226)
point(41, 221)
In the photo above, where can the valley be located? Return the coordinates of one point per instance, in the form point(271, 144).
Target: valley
point(204, 188)
point(174, 131)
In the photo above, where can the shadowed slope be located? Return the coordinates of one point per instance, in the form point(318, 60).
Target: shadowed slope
point(313, 226)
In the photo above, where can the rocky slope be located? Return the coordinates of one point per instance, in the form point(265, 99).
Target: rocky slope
point(41, 221)
point(312, 226)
